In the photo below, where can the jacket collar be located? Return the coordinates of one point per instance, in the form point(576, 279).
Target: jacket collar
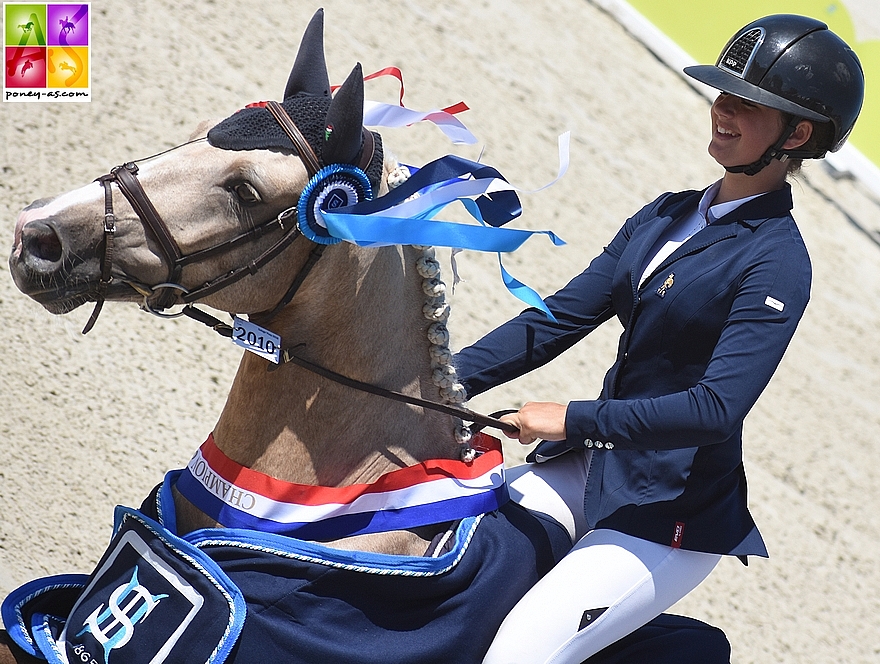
point(753, 213)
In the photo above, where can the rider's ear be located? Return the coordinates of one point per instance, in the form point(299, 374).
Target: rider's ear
point(345, 118)
point(309, 73)
point(799, 136)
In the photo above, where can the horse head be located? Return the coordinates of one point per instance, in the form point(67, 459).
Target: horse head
point(211, 222)
point(204, 209)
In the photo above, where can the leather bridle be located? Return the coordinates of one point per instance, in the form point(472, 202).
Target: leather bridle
point(170, 290)
point(125, 177)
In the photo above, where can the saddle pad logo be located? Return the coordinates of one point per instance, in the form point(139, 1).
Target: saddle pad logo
point(114, 626)
point(135, 608)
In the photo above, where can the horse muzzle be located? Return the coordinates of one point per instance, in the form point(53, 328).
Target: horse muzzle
point(45, 266)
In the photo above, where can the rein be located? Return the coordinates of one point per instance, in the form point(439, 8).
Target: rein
point(125, 177)
point(287, 355)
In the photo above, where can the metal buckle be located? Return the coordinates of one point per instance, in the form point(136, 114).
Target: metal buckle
point(285, 215)
point(161, 314)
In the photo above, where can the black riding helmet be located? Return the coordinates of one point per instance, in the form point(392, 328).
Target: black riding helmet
point(796, 65)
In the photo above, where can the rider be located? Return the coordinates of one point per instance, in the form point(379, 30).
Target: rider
point(709, 287)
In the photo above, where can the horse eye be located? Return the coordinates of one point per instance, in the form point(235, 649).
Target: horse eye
point(246, 193)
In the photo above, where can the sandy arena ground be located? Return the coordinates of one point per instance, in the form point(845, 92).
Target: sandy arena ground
point(90, 422)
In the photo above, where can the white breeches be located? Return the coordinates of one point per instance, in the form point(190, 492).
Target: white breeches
point(631, 579)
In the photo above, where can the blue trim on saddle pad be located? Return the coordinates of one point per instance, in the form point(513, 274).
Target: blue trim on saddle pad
point(353, 561)
point(18, 620)
point(272, 598)
point(153, 597)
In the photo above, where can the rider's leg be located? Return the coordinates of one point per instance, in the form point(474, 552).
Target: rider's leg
point(554, 488)
point(583, 580)
point(608, 585)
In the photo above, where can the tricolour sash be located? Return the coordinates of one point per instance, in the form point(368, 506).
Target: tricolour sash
point(434, 491)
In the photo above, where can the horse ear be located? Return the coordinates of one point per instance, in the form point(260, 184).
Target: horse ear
point(343, 134)
point(309, 73)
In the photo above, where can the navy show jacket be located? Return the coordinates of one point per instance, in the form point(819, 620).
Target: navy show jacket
point(701, 339)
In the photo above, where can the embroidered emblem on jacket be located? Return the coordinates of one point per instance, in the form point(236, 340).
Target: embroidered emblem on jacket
point(666, 285)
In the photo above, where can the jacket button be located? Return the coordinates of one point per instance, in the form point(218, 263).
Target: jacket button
point(599, 444)
point(588, 443)
point(609, 446)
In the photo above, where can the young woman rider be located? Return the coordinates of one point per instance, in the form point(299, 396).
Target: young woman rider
point(709, 287)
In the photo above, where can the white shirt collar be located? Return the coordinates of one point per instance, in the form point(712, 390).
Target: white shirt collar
point(715, 212)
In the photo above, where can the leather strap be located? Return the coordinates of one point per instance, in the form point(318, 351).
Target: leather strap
point(240, 273)
point(312, 164)
point(130, 186)
point(367, 149)
point(312, 260)
point(311, 161)
point(251, 235)
point(107, 258)
point(287, 355)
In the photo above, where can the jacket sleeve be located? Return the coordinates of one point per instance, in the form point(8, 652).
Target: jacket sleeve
point(770, 300)
point(531, 339)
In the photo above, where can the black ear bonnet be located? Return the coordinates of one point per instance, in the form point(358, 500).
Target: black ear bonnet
point(331, 125)
point(255, 128)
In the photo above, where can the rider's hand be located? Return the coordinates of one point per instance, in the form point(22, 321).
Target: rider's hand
point(538, 419)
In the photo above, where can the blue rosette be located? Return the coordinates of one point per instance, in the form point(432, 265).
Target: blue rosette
point(333, 187)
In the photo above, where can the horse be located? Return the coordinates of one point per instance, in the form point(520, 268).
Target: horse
point(351, 385)
point(209, 222)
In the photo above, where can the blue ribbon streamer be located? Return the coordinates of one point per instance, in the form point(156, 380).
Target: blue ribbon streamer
point(497, 208)
point(376, 230)
point(365, 225)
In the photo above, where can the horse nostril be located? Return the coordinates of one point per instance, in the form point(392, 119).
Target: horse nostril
point(41, 241)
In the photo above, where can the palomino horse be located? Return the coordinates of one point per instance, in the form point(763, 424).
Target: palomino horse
point(209, 221)
point(319, 523)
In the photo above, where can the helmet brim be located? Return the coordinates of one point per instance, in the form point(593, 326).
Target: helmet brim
point(721, 80)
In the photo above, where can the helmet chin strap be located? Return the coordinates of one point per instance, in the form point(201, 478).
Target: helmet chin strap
point(775, 151)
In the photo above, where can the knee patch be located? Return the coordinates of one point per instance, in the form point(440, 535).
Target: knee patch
point(590, 616)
